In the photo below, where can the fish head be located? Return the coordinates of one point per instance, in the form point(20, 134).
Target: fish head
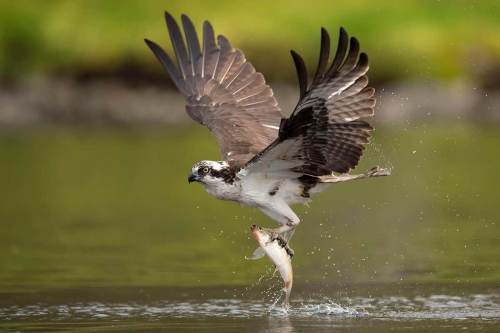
point(260, 235)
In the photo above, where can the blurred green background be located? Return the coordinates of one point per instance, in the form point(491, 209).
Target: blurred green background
point(442, 39)
point(95, 147)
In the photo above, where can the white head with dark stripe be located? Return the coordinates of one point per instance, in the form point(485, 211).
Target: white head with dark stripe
point(213, 175)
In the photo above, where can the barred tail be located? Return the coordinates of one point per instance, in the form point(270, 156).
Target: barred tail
point(373, 172)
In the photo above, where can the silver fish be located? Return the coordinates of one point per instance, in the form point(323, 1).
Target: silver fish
point(279, 253)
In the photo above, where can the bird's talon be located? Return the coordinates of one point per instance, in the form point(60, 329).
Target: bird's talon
point(281, 241)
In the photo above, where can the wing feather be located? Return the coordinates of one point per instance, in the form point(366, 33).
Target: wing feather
point(222, 89)
point(210, 57)
point(323, 57)
point(177, 44)
point(193, 44)
point(301, 72)
point(325, 132)
point(256, 90)
point(165, 60)
point(225, 93)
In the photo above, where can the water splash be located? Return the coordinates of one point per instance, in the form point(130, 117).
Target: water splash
point(266, 303)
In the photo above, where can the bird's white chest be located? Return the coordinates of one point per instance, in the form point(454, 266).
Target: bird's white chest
point(260, 190)
point(223, 190)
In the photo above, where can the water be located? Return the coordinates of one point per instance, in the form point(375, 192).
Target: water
point(320, 308)
point(100, 231)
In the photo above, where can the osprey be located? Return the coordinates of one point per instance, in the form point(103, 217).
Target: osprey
point(271, 161)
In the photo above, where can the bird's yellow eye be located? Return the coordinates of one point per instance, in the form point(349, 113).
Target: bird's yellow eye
point(205, 170)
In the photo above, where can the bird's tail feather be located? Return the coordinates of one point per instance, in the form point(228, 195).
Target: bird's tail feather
point(373, 172)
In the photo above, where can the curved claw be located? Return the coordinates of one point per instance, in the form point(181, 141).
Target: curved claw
point(282, 241)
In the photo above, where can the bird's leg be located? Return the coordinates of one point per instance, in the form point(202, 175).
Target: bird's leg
point(288, 229)
point(284, 215)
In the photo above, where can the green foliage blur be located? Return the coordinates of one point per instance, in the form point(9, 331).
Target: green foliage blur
point(423, 39)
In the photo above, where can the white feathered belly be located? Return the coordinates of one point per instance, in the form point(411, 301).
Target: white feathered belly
point(260, 190)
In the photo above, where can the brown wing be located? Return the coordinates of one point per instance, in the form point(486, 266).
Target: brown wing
point(223, 91)
point(324, 133)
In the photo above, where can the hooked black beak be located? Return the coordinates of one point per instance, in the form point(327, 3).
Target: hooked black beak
point(192, 177)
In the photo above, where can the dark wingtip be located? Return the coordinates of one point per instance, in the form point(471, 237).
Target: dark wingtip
point(167, 15)
point(170, 20)
point(363, 57)
point(301, 72)
point(343, 32)
point(325, 36)
point(354, 42)
point(151, 44)
point(324, 54)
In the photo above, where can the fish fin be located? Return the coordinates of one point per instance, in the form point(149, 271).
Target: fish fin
point(259, 253)
point(275, 269)
point(288, 235)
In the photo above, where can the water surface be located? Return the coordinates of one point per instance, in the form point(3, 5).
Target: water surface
point(321, 308)
point(100, 229)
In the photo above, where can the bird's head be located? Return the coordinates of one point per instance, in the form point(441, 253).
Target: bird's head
point(210, 173)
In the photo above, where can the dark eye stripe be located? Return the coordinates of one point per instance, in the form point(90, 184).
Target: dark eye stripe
point(204, 169)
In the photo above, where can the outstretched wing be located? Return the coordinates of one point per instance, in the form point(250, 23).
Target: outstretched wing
point(223, 91)
point(324, 133)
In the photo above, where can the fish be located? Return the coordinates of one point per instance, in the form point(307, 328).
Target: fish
point(280, 254)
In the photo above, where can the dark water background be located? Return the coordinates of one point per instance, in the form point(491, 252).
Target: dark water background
point(101, 231)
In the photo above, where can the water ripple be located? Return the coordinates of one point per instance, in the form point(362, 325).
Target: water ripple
point(484, 306)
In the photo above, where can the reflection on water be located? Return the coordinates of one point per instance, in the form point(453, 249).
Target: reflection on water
point(458, 306)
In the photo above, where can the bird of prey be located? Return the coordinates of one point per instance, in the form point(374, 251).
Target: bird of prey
point(271, 161)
